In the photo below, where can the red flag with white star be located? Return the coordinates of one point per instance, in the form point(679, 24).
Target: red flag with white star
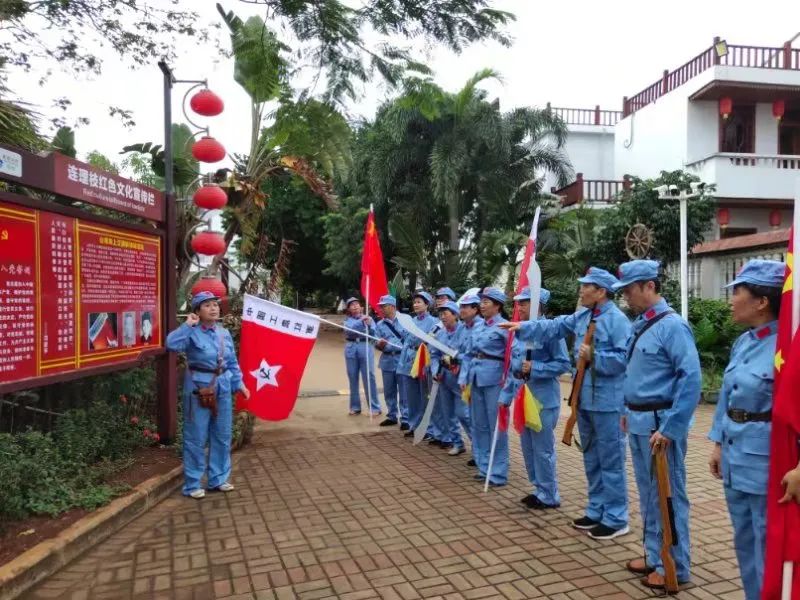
point(275, 344)
point(783, 520)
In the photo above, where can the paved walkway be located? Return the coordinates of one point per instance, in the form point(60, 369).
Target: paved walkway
point(323, 513)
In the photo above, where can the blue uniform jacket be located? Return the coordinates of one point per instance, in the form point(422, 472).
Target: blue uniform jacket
point(201, 346)
point(663, 367)
point(465, 351)
point(453, 339)
point(389, 355)
point(426, 322)
point(487, 340)
point(747, 385)
point(355, 345)
point(602, 386)
point(549, 360)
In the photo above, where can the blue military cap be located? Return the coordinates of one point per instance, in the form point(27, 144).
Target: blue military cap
point(599, 277)
point(424, 295)
point(768, 273)
point(388, 299)
point(470, 299)
point(493, 294)
point(198, 299)
point(446, 291)
point(636, 270)
point(525, 294)
point(451, 306)
point(350, 300)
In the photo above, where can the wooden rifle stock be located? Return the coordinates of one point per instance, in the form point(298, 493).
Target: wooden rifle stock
point(669, 534)
point(575, 394)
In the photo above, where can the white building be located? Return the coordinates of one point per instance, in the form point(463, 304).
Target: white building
point(730, 115)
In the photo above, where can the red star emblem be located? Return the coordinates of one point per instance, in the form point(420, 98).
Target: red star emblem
point(650, 314)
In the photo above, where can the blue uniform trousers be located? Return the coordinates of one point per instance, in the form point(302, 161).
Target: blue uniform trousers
point(749, 516)
point(391, 385)
point(356, 366)
point(437, 427)
point(648, 502)
point(416, 393)
point(402, 399)
point(199, 429)
point(484, 418)
point(539, 452)
point(604, 463)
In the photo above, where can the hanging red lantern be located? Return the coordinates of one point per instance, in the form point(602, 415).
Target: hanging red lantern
point(210, 284)
point(210, 197)
point(207, 103)
point(778, 109)
point(775, 219)
point(725, 107)
point(723, 217)
point(208, 243)
point(208, 150)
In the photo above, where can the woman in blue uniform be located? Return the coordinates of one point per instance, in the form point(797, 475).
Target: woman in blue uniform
point(416, 389)
point(357, 351)
point(211, 363)
point(538, 365)
point(741, 429)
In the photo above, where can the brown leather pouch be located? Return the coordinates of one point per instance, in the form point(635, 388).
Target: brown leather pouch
point(207, 398)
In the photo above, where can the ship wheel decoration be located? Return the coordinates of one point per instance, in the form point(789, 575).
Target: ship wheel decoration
point(638, 241)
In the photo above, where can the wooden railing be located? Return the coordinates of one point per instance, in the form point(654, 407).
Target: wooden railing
point(591, 190)
point(784, 57)
point(586, 116)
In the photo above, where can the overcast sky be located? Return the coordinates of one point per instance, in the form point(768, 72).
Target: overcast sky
point(571, 53)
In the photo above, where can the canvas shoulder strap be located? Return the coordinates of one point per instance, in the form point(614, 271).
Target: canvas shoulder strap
point(647, 326)
point(392, 328)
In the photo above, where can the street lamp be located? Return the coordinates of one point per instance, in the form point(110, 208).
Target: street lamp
point(672, 192)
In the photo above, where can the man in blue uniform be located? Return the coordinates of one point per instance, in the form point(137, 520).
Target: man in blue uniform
point(485, 376)
point(601, 399)
point(357, 351)
point(742, 421)
point(538, 365)
point(445, 370)
point(662, 389)
point(211, 363)
point(390, 345)
point(469, 311)
point(416, 388)
point(437, 429)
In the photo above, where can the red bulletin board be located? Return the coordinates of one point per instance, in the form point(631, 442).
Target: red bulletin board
point(74, 294)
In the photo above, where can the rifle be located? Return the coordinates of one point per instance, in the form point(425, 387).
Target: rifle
point(669, 535)
point(575, 394)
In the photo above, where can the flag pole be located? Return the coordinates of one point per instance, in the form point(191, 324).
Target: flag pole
point(788, 566)
point(366, 343)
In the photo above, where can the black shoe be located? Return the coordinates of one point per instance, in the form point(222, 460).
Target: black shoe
point(585, 523)
point(537, 504)
point(428, 438)
point(527, 498)
point(479, 477)
point(404, 427)
point(493, 484)
point(434, 442)
point(471, 462)
point(445, 445)
point(604, 532)
point(409, 433)
point(388, 422)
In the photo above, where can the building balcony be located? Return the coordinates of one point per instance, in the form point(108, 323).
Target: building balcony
point(587, 116)
point(750, 176)
point(596, 192)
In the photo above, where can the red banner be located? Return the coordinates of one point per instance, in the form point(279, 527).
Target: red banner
point(74, 294)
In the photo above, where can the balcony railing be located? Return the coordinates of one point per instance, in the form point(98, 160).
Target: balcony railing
point(590, 190)
point(784, 57)
point(768, 161)
point(586, 116)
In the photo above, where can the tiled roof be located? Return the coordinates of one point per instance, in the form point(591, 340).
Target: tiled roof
point(754, 240)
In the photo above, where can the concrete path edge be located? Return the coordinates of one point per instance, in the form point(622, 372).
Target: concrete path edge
point(49, 556)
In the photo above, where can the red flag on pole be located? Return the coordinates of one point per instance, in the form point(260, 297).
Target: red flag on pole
point(275, 344)
point(373, 273)
point(783, 520)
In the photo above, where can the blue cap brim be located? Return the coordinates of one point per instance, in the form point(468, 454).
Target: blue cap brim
point(625, 283)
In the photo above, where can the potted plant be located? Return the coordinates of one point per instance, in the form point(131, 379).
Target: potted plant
point(712, 383)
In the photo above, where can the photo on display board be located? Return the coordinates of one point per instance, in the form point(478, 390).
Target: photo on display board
point(128, 328)
point(146, 332)
point(102, 331)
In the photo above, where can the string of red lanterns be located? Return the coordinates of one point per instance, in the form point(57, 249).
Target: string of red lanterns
point(726, 108)
point(209, 196)
point(724, 218)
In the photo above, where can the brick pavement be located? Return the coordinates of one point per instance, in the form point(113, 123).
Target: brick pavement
point(366, 515)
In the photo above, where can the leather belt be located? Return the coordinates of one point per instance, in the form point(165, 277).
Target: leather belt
point(205, 370)
point(483, 356)
point(351, 339)
point(391, 352)
point(650, 407)
point(737, 415)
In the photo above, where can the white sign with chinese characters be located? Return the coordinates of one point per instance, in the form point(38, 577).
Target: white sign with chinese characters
point(10, 163)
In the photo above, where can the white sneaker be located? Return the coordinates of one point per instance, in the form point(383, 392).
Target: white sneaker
point(226, 487)
point(455, 451)
point(197, 494)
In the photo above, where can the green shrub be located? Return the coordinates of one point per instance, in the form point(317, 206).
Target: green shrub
point(714, 331)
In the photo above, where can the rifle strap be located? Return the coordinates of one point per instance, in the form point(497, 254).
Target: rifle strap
point(647, 326)
point(391, 327)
